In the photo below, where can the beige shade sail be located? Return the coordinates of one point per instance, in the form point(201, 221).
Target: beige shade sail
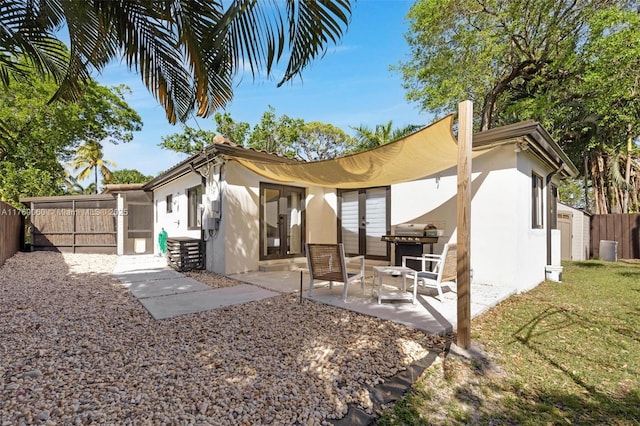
point(420, 154)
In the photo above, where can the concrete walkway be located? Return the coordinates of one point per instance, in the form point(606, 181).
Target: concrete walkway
point(166, 293)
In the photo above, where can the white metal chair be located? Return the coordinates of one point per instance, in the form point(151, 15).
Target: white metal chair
point(327, 262)
point(443, 272)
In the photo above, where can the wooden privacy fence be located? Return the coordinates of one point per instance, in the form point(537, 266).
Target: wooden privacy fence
point(11, 231)
point(623, 228)
point(76, 224)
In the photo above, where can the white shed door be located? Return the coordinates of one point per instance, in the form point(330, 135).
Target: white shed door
point(566, 236)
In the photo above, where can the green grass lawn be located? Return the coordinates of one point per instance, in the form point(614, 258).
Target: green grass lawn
point(563, 353)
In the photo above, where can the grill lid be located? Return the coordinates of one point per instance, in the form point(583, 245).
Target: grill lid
point(412, 229)
point(415, 233)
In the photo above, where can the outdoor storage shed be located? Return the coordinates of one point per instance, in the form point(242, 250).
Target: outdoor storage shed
point(575, 233)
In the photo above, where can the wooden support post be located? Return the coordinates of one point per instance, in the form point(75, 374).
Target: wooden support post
point(465, 139)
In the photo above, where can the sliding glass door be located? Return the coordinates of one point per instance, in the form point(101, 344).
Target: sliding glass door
point(281, 221)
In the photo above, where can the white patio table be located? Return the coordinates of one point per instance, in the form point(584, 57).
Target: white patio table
point(395, 271)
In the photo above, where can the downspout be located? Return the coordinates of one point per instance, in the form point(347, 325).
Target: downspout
point(203, 188)
point(549, 212)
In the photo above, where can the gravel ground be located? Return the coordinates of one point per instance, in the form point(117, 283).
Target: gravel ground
point(78, 348)
point(211, 279)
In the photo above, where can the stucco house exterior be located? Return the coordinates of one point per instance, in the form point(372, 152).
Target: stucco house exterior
point(251, 219)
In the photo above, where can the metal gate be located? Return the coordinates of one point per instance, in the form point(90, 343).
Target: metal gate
point(138, 222)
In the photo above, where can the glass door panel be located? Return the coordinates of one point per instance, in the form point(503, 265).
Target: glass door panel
point(271, 222)
point(294, 228)
point(350, 222)
point(281, 221)
point(376, 221)
point(364, 219)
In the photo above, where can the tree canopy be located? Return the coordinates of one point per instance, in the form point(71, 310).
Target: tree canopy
point(187, 53)
point(484, 50)
point(321, 141)
point(127, 176)
point(40, 137)
point(278, 134)
point(571, 65)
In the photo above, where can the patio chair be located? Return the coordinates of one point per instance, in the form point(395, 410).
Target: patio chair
point(443, 272)
point(327, 262)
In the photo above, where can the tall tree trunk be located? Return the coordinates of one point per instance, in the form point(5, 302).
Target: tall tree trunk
point(488, 107)
point(627, 172)
point(586, 182)
point(95, 174)
point(600, 187)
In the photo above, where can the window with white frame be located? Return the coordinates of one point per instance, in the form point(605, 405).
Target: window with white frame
point(537, 202)
point(169, 202)
point(194, 202)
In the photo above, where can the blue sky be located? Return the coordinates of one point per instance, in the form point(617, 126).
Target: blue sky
point(350, 86)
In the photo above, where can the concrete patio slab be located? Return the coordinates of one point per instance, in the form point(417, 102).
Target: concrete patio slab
point(421, 316)
point(164, 287)
point(167, 293)
point(130, 263)
point(428, 314)
point(280, 281)
point(148, 275)
point(187, 303)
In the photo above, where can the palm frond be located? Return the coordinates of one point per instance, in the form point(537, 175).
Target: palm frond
point(27, 42)
point(312, 23)
point(186, 52)
point(84, 173)
point(7, 143)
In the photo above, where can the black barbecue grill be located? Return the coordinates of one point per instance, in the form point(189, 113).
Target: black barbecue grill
point(409, 239)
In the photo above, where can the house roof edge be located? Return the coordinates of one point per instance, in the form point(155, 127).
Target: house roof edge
point(511, 133)
point(209, 153)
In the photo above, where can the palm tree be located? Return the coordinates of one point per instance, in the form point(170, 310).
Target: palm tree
point(383, 134)
point(72, 186)
point(187, 53)
point(88, 158)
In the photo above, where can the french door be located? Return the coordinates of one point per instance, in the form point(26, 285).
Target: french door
point(281, 221)
point(363, 218)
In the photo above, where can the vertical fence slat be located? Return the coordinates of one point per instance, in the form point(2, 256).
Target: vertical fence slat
point(634, 224)
point(595, 237)
point(11, 224)
point(624, 242)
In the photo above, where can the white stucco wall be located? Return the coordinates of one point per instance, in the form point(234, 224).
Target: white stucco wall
point(175, 223)
point(235, 246)
point(505, 250)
